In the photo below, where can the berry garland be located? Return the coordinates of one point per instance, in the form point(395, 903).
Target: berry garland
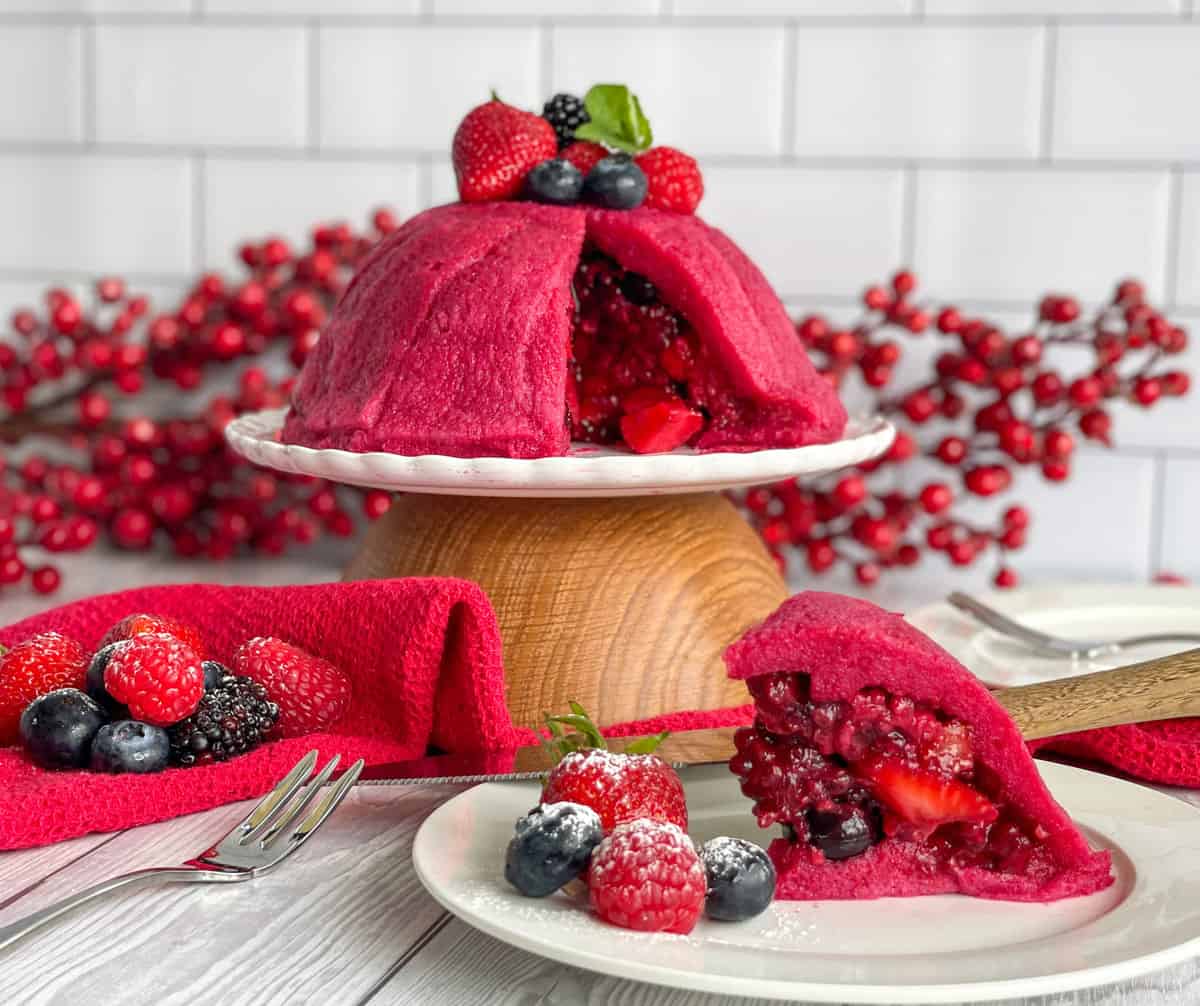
point(98, 466)
point(995, 401)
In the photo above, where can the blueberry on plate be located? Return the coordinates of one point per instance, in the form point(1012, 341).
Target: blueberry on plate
point(214, 671)
point(555, 181)
point(130, 746)
point(57, 728)
point(552, 846)
point(94, 683)
point(616, 182)
point(741, 879)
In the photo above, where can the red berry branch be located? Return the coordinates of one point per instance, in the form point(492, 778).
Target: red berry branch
point(996, 400)
point(81, 391)
point(101, 457)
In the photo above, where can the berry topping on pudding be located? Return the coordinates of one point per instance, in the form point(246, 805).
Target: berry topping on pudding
point(890, 769)
point(571, 295)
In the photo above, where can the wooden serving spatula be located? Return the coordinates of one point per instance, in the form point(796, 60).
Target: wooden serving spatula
point(1162, 689)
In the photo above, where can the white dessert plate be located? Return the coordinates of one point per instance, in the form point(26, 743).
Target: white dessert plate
point(1102, 612)
point(946, 948)
point(588, 470)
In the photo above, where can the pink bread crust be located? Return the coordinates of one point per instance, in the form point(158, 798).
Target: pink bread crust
point(453, 337)
point(845, 645)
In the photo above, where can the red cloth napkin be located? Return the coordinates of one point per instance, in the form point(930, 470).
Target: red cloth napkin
point(424, 656)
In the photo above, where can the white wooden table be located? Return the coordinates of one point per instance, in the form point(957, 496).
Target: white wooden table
point(344, 921)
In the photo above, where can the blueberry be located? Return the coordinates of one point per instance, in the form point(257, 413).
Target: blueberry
point(841, 832)
point(555, 181)
point(741, 879)
point(638, 290)
point(95, 681)
point(551, 846)
point(214, 671)
point(616, 182)
point(57, 728)
point(130, 746)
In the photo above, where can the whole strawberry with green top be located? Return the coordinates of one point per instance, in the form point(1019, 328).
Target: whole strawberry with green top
point(619, 787)
point(495, 147)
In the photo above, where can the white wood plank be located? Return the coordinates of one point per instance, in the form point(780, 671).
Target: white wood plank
point(22, 868)
point(460, 966)
point(324, 928)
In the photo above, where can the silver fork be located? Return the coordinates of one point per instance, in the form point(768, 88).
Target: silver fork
point(1057, 646)
point(263, 840)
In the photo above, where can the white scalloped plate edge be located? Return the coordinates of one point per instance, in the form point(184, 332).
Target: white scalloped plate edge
point(587, 471)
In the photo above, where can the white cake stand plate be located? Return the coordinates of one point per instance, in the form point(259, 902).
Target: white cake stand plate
point(587, 471)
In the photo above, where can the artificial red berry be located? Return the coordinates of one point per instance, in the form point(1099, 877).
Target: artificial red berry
point(820, 555)
point(904, 283)
point(311, 693)
point(1096, 425)
point(867, 573)
point(1084, 392)
point(876, 298)
point(952, 450)
point(850, 491)
point(949, 320)
point(1146, 391)
point(1016, 517)
point(45, 579)
point(936, 497)
point(38, 665)
point(1005, 578)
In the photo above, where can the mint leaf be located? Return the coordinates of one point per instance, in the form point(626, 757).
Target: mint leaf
point(617, 119)
point(647, 745)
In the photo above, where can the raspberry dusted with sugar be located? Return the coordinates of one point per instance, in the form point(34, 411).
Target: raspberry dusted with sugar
point(646, 876)
point(157, 676)
point(674, 179)
point(311, 693)
point(41, 664)
point(136, 625)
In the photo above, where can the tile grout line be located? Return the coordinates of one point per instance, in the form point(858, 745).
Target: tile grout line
point(791, 74)
point(1174, 227)
point(1049, 91)
point(419, 944)
point(14, 898)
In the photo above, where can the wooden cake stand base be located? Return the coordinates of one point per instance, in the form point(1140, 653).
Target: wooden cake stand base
point(622, 604)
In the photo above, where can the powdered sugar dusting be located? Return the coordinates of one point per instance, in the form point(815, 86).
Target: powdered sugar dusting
point(574, 821)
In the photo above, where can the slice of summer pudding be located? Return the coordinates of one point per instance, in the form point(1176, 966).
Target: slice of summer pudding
point(890, 768)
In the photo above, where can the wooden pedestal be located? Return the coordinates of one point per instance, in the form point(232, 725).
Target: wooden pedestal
point(622, 604)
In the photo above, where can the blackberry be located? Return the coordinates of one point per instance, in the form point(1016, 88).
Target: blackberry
point(566, 114)
point(232, 718)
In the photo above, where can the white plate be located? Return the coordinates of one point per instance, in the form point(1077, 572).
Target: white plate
point(945, 948)
point(1081, 612)
point(587, 470)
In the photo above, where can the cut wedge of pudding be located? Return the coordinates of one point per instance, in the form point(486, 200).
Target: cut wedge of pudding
point(890, 768)
point(509, 329)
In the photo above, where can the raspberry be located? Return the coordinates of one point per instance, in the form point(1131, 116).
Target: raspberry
point(646, 875)
point(495, 147)
point(135, 625)
point(674, 178)
point(618, 787)
point(157, 676)
point(39, 665)
point(312, 694)
point(585, 155)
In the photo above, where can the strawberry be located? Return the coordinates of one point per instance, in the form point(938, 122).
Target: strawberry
point(584, 155)
point(661, 427)
point(135, 625)
point(646, 875)
point(311, 693)
point(674, 179)
point(41, 664)
point(618, 787)
point(921, 797)
point(495, 147)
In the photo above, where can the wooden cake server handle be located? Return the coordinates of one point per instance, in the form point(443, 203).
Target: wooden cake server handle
point(1164, 689)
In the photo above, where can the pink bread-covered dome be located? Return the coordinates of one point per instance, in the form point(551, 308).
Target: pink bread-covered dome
point(509, 328)
point(900, 773)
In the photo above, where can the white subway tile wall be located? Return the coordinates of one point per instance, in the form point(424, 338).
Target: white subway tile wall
point(1000, 147)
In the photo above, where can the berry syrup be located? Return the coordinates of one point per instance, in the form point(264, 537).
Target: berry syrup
point(814, 768)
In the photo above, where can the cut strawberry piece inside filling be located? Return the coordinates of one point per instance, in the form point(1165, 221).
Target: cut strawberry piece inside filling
point(843, 776)
point(639, 372)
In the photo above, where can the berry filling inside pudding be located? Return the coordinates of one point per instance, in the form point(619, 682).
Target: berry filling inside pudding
point(841, 777)
point(639, 372)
